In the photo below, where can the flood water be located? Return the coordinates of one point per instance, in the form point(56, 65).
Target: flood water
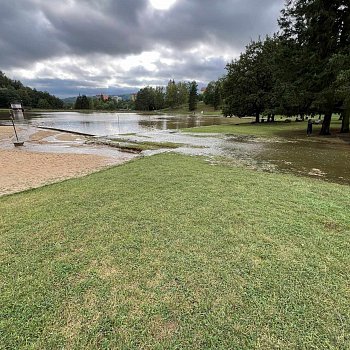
point(322, 160)
point(102, 124)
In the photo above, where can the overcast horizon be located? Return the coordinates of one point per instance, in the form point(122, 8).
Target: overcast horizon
point(67, 47)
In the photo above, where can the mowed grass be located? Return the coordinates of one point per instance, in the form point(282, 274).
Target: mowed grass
point(171, 252)
point(201, 107)
point(279, 128)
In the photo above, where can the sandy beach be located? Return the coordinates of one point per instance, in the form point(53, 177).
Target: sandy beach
point(49, 156)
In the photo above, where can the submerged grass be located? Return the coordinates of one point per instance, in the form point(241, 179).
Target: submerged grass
point(171, 252)
point(126, 145)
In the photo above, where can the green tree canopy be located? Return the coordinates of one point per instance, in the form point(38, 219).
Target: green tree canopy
point(212, 95)
point(145, 99)
point(319, 30)
point(193, 95)
point(43, 104)
point(248, 85)
point(82, 102)
point(14, 90)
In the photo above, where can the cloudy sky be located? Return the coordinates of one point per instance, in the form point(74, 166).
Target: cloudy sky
point(69, 47)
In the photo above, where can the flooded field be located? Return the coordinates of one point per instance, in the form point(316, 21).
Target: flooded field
point(301, 156)
point(102, 124)
point(326, 161)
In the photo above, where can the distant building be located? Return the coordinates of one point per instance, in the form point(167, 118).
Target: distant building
point(102, 97)
point(133, 97)
point(16, 106)
point(17, 111)
point(202, 90)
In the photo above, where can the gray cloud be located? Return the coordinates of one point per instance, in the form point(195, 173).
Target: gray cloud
point(195, 34)
point(67, 88)
point(202, 71)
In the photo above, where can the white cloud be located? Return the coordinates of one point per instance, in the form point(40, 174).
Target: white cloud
point(162, 4)
point(126, 44)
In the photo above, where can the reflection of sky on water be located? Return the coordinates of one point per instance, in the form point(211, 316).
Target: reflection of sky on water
point(101, 124)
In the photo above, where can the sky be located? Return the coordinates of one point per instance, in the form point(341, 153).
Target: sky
point(67, 47)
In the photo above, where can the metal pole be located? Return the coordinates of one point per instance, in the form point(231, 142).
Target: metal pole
point(14, 128)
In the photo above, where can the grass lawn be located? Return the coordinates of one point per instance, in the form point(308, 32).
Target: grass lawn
point(279, 128)
point(201, 107)
point(171, 252)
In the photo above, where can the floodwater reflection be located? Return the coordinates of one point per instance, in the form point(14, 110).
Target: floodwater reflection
point(102, 124)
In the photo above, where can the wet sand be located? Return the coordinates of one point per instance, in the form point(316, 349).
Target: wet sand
point(6, 132)
point(30, 166)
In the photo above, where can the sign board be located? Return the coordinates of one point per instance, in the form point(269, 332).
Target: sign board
point(16, 106)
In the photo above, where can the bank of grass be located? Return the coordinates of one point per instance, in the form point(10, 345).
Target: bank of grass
point(171, 252)
point(279, 128)
point(201, 107)
point(133, 146)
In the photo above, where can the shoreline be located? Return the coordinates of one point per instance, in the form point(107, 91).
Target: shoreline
point(50, 156)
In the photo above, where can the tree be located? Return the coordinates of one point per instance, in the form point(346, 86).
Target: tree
point(212, 94)
point(320, 28)
point(159, 98)
point(343, 92)
point(82, 102)
point(85, 104)
point(193, 94)
point(13, 90)
point(145, 99)
point(292, 80)
point(78, 104)
point(182, 93)
point(248, 85)
point(8, 95)
point(171, 94)
point(24, 96)
point(43, 104)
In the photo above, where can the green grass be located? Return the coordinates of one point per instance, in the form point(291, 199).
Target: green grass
point(201, 106)
point(171, 252)
point(125, 144)
point(263, 129)
point(279, 128)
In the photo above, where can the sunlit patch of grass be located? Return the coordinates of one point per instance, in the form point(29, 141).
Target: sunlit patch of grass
point(171, 252)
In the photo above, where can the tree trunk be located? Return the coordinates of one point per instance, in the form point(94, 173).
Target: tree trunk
point(257, 117)
point(345, 121)
point(272, 118)
point(325, 130)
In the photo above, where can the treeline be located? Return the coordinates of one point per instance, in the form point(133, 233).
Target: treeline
point(302, 70)
point(174, 95)
point(212, 95)
point(15, 91)
point(98, 103)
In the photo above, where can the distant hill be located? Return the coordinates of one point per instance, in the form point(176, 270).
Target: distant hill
point(14, 90)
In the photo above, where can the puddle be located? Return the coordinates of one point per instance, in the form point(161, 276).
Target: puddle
point(321, 160)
